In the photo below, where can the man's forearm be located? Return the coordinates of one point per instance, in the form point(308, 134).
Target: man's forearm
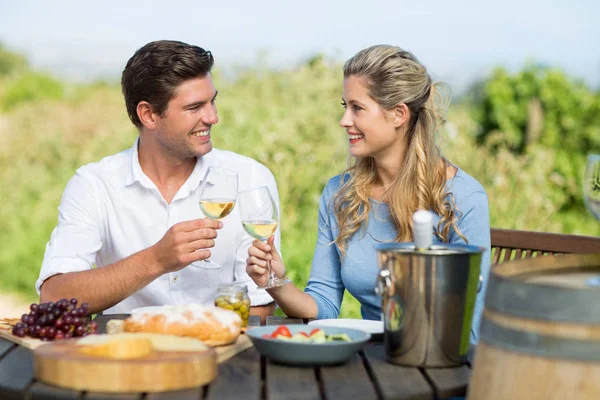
point(263, 311)
point(103, 287)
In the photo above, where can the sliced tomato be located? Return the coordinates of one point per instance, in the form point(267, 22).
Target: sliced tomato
point(316, 330)
point(303, 334)
point(283, 331)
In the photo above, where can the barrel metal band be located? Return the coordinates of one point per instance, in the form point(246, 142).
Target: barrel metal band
point(543, 302)
point(541, 345)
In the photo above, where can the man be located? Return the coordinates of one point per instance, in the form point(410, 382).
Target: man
point(136, 215)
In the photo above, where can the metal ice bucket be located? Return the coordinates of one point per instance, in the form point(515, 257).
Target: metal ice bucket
point(428, 300)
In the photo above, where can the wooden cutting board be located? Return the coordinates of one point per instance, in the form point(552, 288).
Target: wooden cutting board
point(223, 352)
point(30, 343)
point(61, 364)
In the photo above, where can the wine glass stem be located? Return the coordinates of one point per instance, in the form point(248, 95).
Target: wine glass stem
point(207, 260)
point(270, 270)
point(271, 273)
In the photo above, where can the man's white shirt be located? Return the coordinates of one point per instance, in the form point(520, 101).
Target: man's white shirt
point(111, 210)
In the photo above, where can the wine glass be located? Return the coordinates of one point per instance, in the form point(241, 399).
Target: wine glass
point(260, 218)
point(591, 195)
point(591, 185)
point(217, 199)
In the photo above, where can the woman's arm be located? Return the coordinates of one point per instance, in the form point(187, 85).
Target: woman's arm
point(324, 293)
point(293, 301)
point(474, 224)
point(325, 284)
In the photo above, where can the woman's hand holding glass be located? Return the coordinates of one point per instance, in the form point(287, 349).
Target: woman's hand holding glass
point(260, 254)
point(260, 218)
point(591, 185)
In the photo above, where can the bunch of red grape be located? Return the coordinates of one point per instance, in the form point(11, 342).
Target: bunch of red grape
point(55, 321)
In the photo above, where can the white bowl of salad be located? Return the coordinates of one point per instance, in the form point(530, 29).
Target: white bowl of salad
point(306, 346)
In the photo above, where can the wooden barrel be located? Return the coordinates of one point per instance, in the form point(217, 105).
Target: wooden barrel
point(540, 332)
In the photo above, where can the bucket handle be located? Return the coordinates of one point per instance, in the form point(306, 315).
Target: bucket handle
point(384, 282)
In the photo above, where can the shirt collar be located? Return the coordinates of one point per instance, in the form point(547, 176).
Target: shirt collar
point(135, 169)
point(137, 175)
point(196, 177)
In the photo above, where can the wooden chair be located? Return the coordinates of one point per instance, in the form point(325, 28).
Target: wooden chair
point(508, 244)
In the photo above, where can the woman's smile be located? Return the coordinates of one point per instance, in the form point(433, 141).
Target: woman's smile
point(355, 137)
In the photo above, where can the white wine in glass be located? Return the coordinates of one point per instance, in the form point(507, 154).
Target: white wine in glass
point(591, 195)
point(217, 208)
point(217, 199)
point(260, 219)
point(260, 229)
point(591, 185)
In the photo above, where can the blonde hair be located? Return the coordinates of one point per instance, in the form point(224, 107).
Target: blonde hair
point(394, 76)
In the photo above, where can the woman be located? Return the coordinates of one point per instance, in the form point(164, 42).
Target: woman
point(391, 118)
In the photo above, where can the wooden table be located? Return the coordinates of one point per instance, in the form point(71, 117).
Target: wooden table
point(250, 376)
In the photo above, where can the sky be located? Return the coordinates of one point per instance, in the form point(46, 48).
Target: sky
point(459, 41)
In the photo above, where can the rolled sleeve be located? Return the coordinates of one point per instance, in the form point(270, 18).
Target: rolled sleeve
point(76, 239)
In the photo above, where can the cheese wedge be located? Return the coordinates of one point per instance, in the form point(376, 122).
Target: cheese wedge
point(123, 346)
point(124, 349)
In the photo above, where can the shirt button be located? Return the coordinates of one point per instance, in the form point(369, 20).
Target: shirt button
point(175, 278)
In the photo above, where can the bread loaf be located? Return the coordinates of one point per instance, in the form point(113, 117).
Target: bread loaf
point(115, 326)
point(212, 325)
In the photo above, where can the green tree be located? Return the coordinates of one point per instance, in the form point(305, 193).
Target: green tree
point(541, 106)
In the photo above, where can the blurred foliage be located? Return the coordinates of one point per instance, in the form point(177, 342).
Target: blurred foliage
point(11, 62)
point(20, 85)
point(31, 86)
point(288, 120)
point(542, 110)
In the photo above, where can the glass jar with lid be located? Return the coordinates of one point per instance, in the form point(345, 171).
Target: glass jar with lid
point(234, 297)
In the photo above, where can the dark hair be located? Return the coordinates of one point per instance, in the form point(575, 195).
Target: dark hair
point(154, 72)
